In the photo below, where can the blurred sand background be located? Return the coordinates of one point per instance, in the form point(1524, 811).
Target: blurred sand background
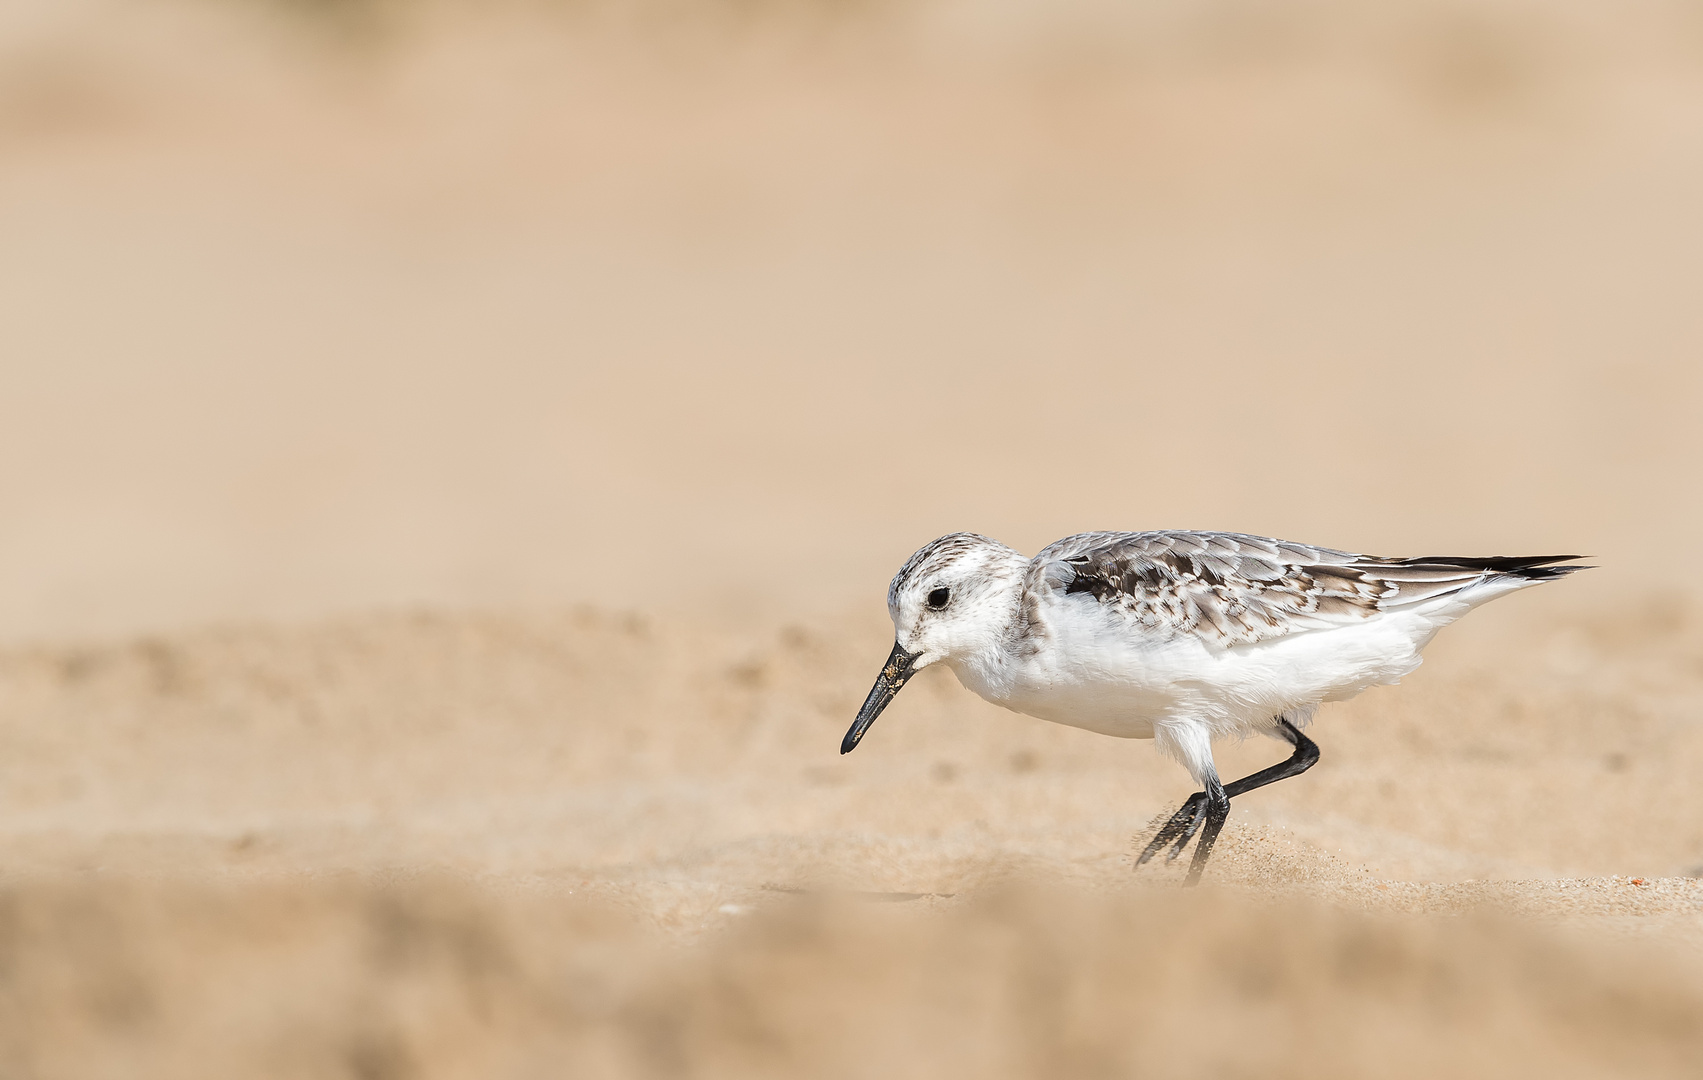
point(452, 456)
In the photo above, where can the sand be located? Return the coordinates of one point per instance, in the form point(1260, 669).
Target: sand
point(452, 462)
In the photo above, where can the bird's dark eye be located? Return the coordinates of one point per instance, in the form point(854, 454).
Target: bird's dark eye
point(937, 599)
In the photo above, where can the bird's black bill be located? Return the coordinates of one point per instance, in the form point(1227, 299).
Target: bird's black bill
point(894, 675)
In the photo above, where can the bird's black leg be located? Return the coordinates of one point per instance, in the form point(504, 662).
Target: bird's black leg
point(1211, 808)
point(1306, 755)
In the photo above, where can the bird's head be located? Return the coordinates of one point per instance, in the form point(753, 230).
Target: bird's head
point(951, 600)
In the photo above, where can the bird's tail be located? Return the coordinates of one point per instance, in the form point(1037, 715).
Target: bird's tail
point(1473, 580)
point(1529, 567)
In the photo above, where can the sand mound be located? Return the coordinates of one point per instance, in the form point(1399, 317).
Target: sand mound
point(490, 845)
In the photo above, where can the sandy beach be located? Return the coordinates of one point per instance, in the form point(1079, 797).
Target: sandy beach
point(453, 458)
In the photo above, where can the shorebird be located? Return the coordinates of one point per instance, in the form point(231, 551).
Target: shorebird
point(1178, 637)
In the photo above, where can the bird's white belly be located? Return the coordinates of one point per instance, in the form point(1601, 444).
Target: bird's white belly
point(1114, 683)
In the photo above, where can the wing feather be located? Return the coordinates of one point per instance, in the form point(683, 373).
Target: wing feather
point(1234, 589)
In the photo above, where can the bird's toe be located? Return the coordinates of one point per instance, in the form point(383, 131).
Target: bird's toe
point(1180, 827)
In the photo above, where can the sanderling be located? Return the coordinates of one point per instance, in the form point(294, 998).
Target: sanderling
point(1178, 637)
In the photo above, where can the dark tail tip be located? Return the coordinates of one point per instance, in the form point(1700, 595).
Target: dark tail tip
point(1549, 573)
point(1528, 567)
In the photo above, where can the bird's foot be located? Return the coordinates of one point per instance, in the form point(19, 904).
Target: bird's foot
point(1203, 810)
point(1178, 831)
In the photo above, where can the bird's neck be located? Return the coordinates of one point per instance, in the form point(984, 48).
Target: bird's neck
point(988, 666)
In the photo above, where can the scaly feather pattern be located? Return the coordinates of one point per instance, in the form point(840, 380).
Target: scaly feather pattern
point(1233, 589)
